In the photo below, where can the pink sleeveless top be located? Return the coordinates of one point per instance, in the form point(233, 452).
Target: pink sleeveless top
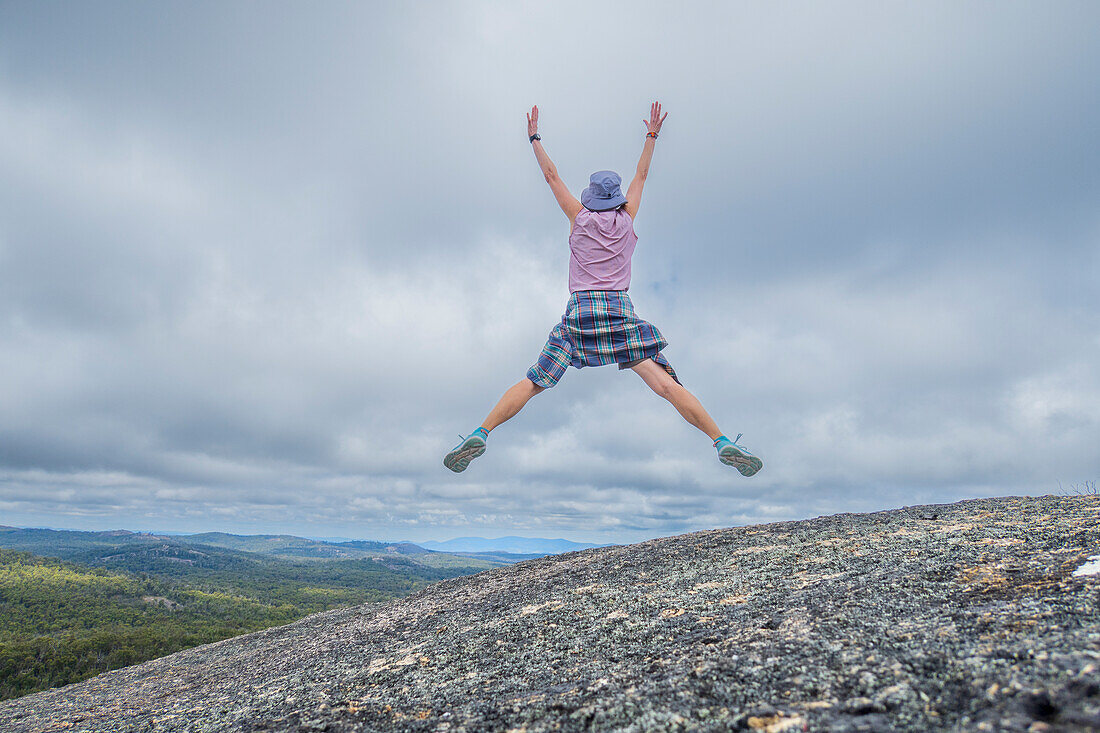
point(600, 247)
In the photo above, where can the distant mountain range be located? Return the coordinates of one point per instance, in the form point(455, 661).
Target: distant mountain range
point(72, 544)
point(494, 550)
point(516, 545)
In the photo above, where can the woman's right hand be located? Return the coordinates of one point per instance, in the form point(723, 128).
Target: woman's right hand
point(533, 121)
point(655, 120)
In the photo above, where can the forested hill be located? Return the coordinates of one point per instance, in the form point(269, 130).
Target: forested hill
point(61, 622)
point(119, 598)
point(968, 616)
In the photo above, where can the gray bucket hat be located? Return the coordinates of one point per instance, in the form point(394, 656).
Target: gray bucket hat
point(604, 191)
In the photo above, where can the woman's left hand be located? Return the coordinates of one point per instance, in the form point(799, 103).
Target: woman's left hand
point(533, 121)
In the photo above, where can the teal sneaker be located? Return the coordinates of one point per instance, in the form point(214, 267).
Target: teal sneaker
point(470, 448)
point(738, 456)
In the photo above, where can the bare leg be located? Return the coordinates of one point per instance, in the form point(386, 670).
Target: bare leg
point(512, 402)
point(685, 402)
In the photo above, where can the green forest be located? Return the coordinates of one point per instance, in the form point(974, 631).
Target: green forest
point(117, 601)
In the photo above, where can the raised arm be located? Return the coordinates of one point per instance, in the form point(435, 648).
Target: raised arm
point(653, 126)
point(566, 200)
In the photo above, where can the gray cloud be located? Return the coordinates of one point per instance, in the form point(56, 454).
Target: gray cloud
point(258, 271)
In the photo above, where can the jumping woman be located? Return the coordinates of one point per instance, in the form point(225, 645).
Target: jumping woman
point(599, 326)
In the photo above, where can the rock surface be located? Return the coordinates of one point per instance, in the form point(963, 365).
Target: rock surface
point(964, 616)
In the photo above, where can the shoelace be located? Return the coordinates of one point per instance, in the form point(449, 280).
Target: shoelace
point(734, 441)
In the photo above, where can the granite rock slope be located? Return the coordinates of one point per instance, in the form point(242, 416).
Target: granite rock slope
point(964, 616)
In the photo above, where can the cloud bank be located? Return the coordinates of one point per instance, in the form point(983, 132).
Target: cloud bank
point(258, 272)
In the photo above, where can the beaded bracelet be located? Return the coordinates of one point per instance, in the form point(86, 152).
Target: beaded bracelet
point(653, 134)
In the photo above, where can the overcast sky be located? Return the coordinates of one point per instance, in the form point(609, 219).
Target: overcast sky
point(261, 263)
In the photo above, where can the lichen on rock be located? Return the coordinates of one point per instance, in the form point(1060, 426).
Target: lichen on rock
point(965, 616)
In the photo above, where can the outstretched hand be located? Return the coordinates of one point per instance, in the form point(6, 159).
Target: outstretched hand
point(533, 121)
point(653, 124)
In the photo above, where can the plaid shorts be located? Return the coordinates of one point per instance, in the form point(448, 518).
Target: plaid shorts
point(599, 327)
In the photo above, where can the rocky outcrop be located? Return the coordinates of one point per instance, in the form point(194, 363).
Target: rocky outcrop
point(950, 617)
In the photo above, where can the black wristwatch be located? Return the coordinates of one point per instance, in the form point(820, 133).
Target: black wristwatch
point(535, 137)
